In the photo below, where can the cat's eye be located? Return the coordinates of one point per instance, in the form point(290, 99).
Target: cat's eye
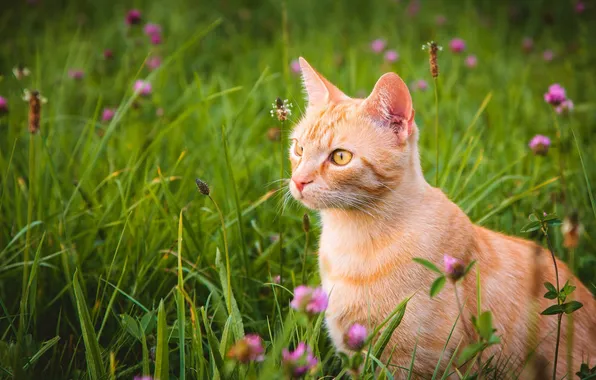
point(341, 157)
point(298, 149)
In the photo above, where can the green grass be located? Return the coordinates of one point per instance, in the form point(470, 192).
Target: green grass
point(106, 246)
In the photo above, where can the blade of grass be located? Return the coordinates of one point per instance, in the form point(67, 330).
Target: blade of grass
point(180, 303)
point(581, 159)
point(162, 369)
point(237, 325)
point(92, 349)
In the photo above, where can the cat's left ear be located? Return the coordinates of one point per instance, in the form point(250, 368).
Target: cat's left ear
point(318, 89)
point(390, 104)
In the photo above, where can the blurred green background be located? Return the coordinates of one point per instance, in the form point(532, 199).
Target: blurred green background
point(100, 200)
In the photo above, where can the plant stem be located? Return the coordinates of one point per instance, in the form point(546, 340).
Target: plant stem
point(228, 273)
point(304, 258)
point(559, 317)
point(437, 131)
point(280, 221)
point(552, 252)
point(570, 326)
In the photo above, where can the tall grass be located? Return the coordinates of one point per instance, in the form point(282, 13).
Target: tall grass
point(91, 211)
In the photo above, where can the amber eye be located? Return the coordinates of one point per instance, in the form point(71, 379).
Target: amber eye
point(341, 157)
point(298, 149)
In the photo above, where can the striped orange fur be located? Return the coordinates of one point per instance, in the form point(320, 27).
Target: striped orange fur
point(378, 213)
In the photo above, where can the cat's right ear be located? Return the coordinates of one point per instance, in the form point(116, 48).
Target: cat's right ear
point(319, 90)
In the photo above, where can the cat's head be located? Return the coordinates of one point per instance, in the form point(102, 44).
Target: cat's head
point(349, 153)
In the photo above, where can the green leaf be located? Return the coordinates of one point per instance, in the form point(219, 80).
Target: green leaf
point(213, 343)
point(237, 325)
point(469, 267)
point(553, 310)
point(162, 370)
point(485, 325)
point(494, 340)
point(532, 226)
point(131, 326)
point(550, 295)
point(437, 286)
point(148, 322)
point(470, 351)
point(392, 321)
point(550, 287)
point(568, 289)
point(554, 223)
point(571, 306)
point(92, 349)
point(45, 346)
point(427, 264)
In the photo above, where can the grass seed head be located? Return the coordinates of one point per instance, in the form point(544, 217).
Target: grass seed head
point(203, 187)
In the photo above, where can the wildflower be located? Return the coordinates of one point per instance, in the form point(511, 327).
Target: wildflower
point(203, 187)
point(142, 87)
point(152, 29)
point(154, 62)
point(457, 45)
point(527, 44)
point(391, 56)
point(107, 114)
point(295, 66)
point(454, 268)
point(565, 107)
point(143, 378)
point(580, 7)
point(274, 134)
point(76, 74)
point(248, 349)
point(555, 95)
point(420, 85)
point(108, 54)
point(300, 361)
point(309, 300)
point(20, 72)
point(440, 20)
point(433, 49)
point(155, 39)
point(159, 112)
point(378, 45)
point(413, 8)
point(277, 279)
point(3, 106)
point(133, 17)
point(281, 109)
point(355, 338)
point(548, 55)
point(471, 61)
point(539, 145)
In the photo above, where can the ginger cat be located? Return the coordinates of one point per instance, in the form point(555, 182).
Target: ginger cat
point(357, 162)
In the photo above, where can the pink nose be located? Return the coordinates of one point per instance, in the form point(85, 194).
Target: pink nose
point(300, 183)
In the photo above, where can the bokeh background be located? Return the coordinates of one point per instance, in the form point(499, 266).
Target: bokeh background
point(97, 194)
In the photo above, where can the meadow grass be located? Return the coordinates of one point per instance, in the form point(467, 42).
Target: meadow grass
point(107, 248)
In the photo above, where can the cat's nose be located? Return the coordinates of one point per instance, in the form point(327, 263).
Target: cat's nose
point(300, 183)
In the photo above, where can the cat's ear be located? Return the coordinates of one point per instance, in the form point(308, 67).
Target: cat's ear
point(390, 104)
point(318, 89)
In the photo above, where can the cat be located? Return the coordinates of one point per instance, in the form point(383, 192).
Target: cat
point(356, 161)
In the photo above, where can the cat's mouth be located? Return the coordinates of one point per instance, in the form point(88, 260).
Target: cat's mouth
point(306, 196)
